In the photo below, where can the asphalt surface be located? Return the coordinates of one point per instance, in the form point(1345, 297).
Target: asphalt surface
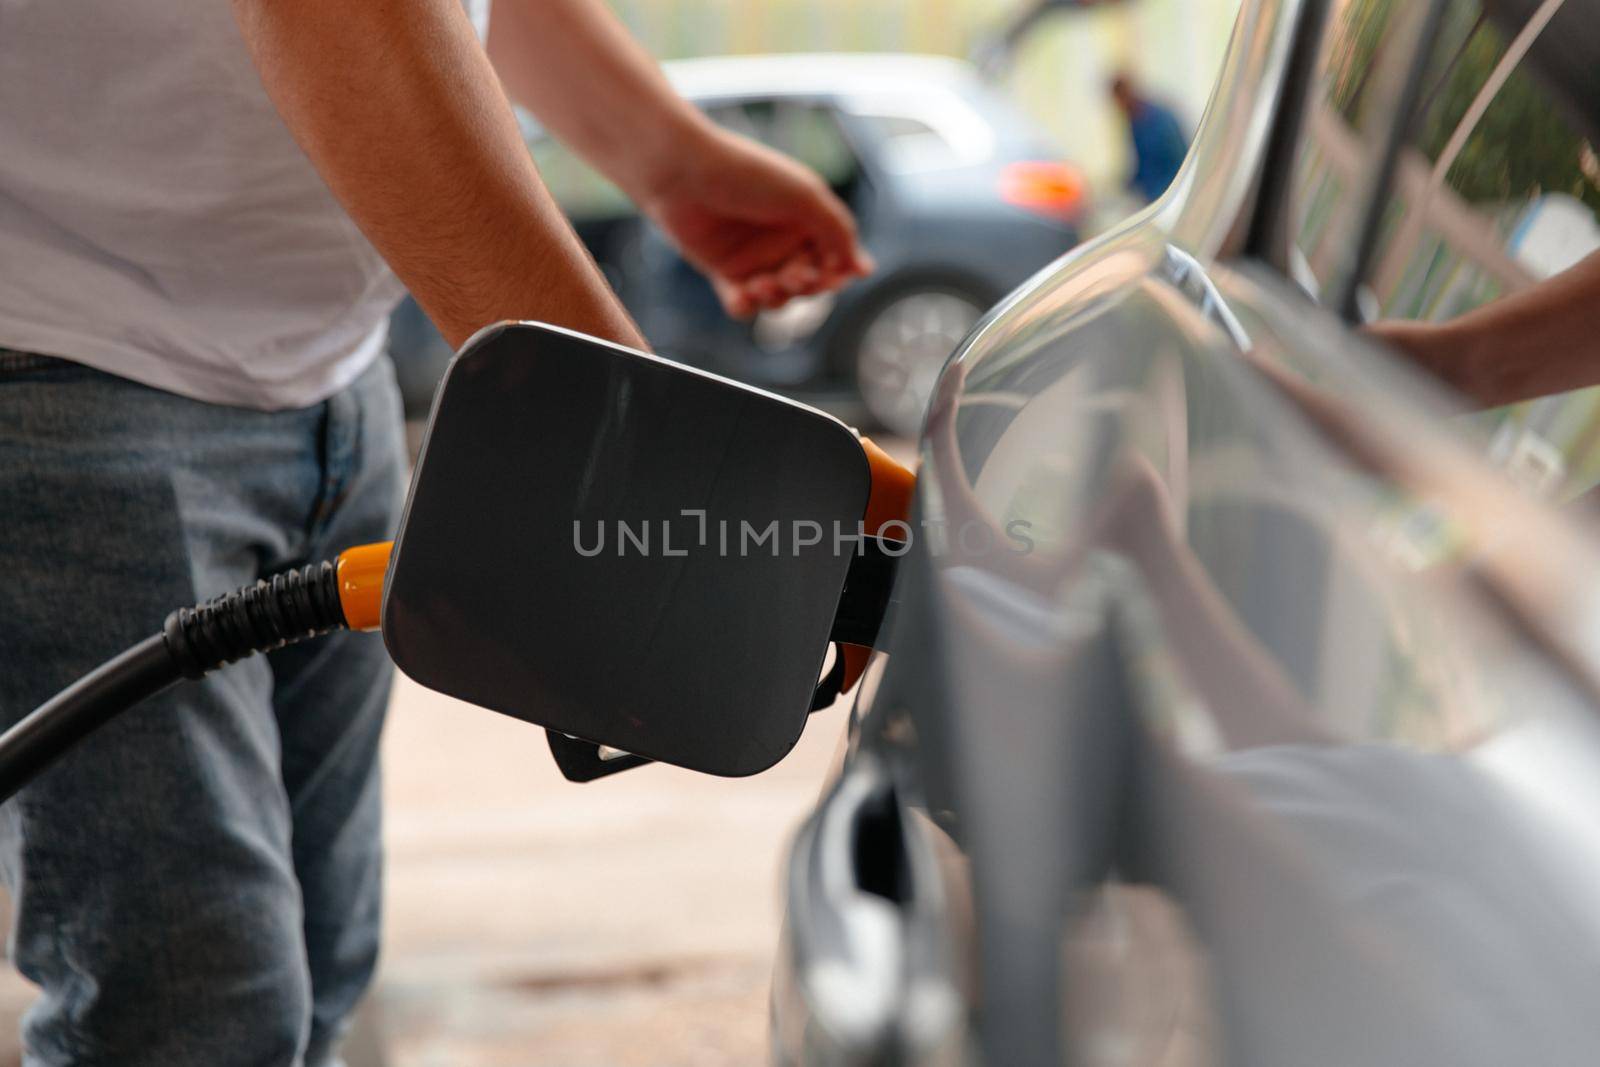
point(534, 922)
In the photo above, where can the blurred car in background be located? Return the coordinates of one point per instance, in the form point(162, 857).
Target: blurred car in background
point(958, 196)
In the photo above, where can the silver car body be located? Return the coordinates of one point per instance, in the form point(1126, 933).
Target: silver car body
point(1234, 706)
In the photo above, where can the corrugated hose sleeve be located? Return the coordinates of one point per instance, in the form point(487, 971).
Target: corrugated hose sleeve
point(274, 612)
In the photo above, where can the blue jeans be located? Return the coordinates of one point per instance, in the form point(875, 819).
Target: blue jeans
point(198, 883)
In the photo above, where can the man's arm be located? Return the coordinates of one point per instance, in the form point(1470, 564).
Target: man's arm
point(572, 64)
point(759, 225)
point(1541, 341)
point(399, 109)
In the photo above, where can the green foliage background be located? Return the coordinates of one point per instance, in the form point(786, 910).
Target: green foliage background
point(1524, 146)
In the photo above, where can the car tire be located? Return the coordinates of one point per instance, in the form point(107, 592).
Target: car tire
point(898, 342)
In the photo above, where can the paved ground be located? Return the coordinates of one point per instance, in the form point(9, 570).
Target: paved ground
point(533, 922)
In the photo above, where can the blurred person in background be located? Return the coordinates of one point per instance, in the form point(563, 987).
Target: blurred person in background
point(1155, 136)
point(206, 217)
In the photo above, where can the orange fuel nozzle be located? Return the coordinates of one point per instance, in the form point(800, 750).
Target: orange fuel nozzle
point(360, 576)
point(892, 485)
point(888, 503)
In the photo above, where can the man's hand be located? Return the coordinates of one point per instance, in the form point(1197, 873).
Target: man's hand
point(1540, 341)
point(760, 226)
point(1429, 346)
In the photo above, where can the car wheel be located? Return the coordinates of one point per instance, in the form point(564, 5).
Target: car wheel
point(902, 343)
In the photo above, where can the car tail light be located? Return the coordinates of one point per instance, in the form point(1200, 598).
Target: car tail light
point(1054, 190)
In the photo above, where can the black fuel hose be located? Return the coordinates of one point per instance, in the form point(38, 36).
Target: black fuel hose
point(82, 708)
point(266, 615)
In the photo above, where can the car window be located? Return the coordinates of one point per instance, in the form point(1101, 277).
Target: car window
point(909, 144)
point(1497, 185)
point(1367, 49)
point(809, 132)
point(1497, 190)
point(935, 127)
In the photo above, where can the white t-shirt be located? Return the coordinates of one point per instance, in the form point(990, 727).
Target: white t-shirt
point(158, 221)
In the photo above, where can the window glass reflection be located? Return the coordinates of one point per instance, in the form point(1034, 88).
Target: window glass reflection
point(1369, 46)
point(1483, 272)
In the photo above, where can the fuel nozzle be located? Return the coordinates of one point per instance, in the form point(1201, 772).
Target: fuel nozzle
point(707, 660)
